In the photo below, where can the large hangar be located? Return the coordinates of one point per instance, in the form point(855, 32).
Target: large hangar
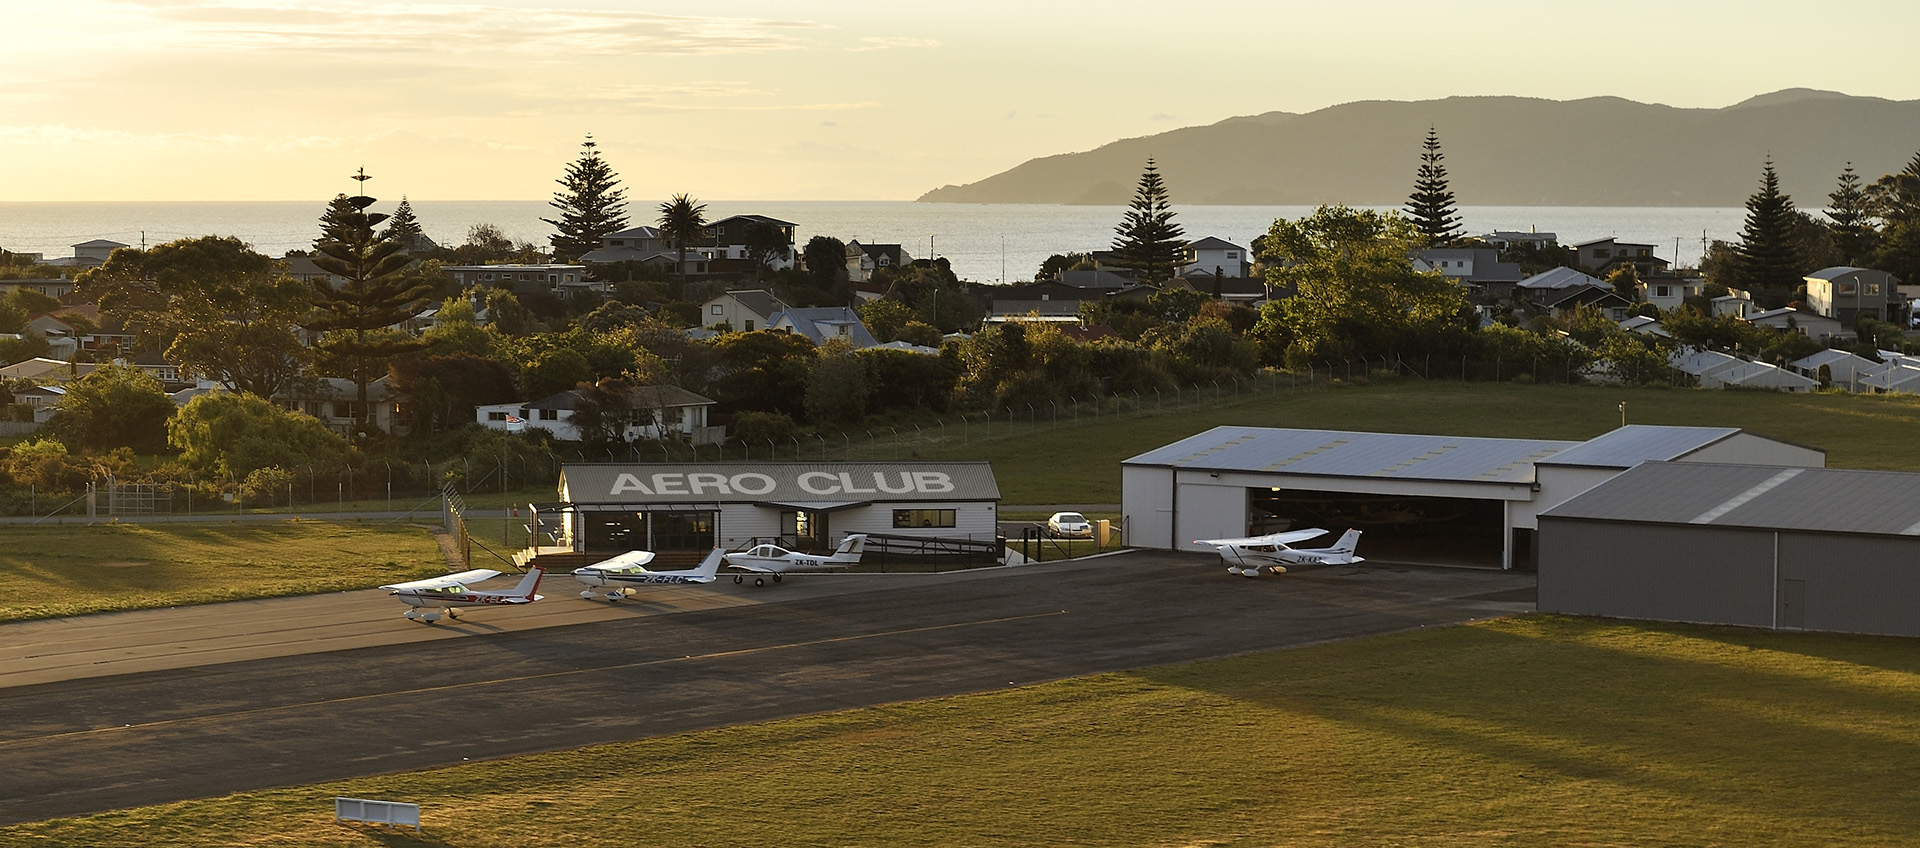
point(1762, 546)
point(1453, 500)
point(1418, 498)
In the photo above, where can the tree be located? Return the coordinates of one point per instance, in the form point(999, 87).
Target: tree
point(214, 305)
point(764, 244)
point(603, 412)
point(405, 229)
point(1767, 259)
point(1052, 266)
point(113, 407)
point(764, 371)
point(1896, 201)
point(682, 220)
point(826, 260)
point(592, 205)
point(372, 297)
point(1431, 204)
point(238, 434)
point(837, 387)
point(1358, 295)
point(1625, 281)
point(1851, 216)
point(1147, 239)
point(884, 317)
point(444, 389)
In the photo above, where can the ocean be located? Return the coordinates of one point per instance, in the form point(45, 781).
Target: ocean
point(990, 243)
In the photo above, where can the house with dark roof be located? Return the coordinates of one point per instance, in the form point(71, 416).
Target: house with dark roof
point(1504, 239)
point(864, 259)
point(1215, 257)
point(1847, 294)
point(822, 323)
point(636, 244)
point(1476, 269)
point(1602, 256)
point(728, 238)
point(1603, 298)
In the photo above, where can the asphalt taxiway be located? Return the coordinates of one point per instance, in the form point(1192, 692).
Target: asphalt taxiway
point(125, 709)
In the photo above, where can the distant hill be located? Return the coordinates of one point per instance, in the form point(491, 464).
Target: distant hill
point(1500, 151)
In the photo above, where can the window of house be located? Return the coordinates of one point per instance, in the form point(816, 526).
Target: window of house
point(1233, 254)
point(1660, 291)
point(1872, 288)
point(1843, 288)
point(549, 414)
point(1600, 253)
point(342, 409)
point(924, 518)
point(716, 309)
point(497, 416)
point(749, 323)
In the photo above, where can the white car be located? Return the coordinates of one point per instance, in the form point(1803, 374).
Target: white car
point(1069, 525)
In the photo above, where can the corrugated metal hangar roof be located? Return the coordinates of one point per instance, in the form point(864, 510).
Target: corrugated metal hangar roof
point(1829, 500)
point(1344, 453)
point(1636, 443)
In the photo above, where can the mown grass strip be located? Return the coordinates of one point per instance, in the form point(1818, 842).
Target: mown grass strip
point(1536, 731)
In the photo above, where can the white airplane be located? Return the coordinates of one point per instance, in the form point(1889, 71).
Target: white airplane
point(1248, 557)
point(450, 593)
point(776, 560)
point(627, 570)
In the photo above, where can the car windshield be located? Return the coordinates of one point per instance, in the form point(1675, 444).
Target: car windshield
point(1070, 518)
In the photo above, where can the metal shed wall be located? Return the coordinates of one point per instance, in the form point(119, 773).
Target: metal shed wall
point(1851, 583)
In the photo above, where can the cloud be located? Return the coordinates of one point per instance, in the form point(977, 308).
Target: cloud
point(891, 42)
point(400, 28)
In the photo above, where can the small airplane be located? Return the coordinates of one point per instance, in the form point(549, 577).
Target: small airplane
point(1249, 557)
point(451, 593)
point(627, 570)
point(776, 560)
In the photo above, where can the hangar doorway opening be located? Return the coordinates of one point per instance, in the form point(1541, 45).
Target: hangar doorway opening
point(674, 534)
point(1421, 530)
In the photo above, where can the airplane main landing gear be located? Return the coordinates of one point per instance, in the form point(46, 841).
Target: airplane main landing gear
point(738, 579)
point(423, 616)
point(776, 577)
point(759, 581)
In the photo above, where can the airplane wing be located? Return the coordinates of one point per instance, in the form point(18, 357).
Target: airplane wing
point(463, 578)
point(1286, 538)
point(757, 566)
point(624, 561)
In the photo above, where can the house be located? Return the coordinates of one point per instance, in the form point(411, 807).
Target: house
point(1548, 286)
point(653, 413)
point(1645, 325)
point(1602, 256)
point(1215, 256)
point(1243, 291)
point(1807, 323)
point(46, 370)
point(743, 310)
point(1760, 375)
point(1893, 378)
point(1846, 294)
point(864, 259)
point(335, 401)
point(1603, 298)
point(1700, 363)
point(42, 399)
point(88, 254)
point(63, 338)
point(821, 323)
point(1100, 280)
point(1844, 369)
point(303, 269)
point(728, 237)
point(1669, 293)
point(1503, 240)
point(1477, 269)
point(1736, 303)
point(519, 278)
point(54, 287)
point(1044, 298)
point(634, 244)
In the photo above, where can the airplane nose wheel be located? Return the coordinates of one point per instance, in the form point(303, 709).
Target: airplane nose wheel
point(776, 578)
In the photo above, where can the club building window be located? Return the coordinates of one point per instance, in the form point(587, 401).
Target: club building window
point(924, 518)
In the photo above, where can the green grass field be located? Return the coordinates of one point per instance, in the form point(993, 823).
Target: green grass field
point(58, 570)
point(1079, 463)
point(1537, 731)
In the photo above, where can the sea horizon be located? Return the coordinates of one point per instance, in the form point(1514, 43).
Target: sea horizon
point(990, 243)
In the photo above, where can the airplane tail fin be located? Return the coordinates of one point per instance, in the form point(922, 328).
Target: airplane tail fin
point(710, 566)
point(530, 583)
point(1349, 541)
point(850, 549)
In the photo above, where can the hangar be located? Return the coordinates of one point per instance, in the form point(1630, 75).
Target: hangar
point(609, 508)
point(1762, 546)
point(1451, 500)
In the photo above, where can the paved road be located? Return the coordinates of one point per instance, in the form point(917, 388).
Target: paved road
point(127, 709)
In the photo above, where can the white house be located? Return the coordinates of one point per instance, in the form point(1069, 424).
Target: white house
point(743, 310)
point(1845, 293)
point(1212, 255)
point(1844, 369)
point(1669, 292)
point(653, 412)
point(1806, 323)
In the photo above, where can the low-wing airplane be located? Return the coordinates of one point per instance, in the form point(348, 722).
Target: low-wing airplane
point(452, 592)
point(1249, 557)
point(776, 560)
point(627, 570)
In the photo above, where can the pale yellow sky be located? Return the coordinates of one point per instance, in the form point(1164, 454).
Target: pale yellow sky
point(840, 100)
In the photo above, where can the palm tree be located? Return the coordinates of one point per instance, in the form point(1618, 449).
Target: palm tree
point(682, 219)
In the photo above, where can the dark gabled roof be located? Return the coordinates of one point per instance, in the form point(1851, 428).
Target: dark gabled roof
point(1761, 497)
point(634, 233)
point(1588, 296)
point(752, 218)
point(1560, 278)
point(1099, 279)
point(569, 399)
point(761, 301)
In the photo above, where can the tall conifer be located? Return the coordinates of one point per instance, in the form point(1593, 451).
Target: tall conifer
point(1431, 204)
point(592, 206)
point(1767, 260)
point(404, 229)
point(1147, 239)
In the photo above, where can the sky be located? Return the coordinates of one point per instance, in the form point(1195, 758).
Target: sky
point(800, 100)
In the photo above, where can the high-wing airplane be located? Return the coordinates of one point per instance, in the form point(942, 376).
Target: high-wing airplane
point(622, 573)
point(452, 592)
point(1248, 557)
point(776, 560)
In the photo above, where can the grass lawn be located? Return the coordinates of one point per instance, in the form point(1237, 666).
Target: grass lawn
point(1079, 462)
point(1535, 731)
point(58, 570)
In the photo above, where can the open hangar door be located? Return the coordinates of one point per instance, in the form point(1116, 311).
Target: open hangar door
point(1418, 529)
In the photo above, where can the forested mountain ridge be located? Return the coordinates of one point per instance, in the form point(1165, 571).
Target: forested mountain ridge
point(1500, 151)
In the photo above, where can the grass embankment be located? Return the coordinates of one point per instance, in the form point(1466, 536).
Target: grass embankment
point(1539, 731)
point(50, 571)
point(1079, 462)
